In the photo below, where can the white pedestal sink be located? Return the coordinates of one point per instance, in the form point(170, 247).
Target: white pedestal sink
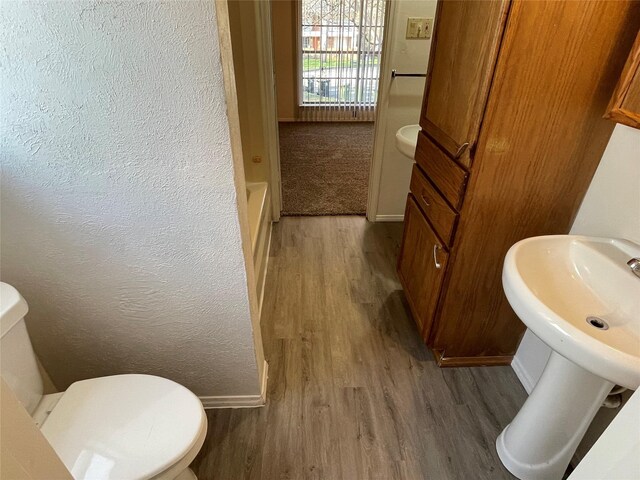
point(578, 295)
point(407, 139)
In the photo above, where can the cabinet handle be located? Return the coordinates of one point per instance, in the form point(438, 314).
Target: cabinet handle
point(435, 256)
point(425, 200)
point(461, 149)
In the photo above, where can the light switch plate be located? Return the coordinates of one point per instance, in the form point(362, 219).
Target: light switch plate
point(428, 28)
point(419, 28)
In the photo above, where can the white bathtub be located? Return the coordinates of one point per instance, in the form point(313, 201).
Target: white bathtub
point(259, 213)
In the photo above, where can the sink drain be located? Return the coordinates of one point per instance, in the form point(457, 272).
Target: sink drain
point(597, 323)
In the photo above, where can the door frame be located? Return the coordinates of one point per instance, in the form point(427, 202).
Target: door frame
point(270, 112)
point(233, 119)
point(269, 107)
point(380, 128)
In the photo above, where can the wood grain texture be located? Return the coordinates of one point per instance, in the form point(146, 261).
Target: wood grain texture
point(461, 64)
point(448, 177)
point(439, 214)
point(541, 141)
point(353, 392)
point(417, 270)
point(624, 106)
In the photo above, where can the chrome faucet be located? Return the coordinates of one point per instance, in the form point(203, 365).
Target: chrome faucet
point(634, 265)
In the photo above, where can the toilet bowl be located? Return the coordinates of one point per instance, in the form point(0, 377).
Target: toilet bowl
point(122, 427)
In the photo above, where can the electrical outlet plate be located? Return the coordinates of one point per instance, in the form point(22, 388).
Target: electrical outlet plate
point(419, 28)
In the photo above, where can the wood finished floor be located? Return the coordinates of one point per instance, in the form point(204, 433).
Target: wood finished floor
point(353, 393)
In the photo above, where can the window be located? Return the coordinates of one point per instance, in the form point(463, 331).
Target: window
point(341, 47)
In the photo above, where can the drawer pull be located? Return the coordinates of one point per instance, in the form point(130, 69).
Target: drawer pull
point(461, 149)
point(435, 256)
point(425, 200)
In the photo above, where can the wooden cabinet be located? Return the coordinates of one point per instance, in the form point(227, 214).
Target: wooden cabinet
point(461, 65)
point(525, 84)
point(441, 216)
point(421, 265)
point(624, 106)
point(447, 176)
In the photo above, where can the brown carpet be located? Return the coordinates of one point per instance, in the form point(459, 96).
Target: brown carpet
point(325, 167)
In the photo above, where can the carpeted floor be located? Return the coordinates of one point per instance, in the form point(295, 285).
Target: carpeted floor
point(325, 167)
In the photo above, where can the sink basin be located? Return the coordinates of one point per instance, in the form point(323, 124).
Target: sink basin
point(556, 283)
point(579, 296)
point(407, 139)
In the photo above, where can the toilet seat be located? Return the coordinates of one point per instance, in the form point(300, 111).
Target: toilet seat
point(130, 427)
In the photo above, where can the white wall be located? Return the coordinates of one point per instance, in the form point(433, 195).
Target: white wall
point(247, 64)
point(610, 208)
point(399, 104)
point(285, 53)
point(119, 212)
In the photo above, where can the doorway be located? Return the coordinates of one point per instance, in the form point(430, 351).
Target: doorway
point(327, 56)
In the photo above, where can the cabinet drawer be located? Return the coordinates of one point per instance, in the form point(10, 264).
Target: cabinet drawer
point(438, 212)
point(421, 266)
point(447, 175)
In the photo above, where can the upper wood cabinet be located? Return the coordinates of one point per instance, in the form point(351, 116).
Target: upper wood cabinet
point(625, 103)
point(463, 55)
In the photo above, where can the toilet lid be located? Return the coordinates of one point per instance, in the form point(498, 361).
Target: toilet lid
point(124, 426)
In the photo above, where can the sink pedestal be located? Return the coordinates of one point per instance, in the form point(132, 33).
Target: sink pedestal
point(542, 438)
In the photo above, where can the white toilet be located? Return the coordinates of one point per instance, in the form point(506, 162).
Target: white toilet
point(122, 427)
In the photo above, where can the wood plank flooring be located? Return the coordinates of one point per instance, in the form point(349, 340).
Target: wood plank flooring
point(353, 393)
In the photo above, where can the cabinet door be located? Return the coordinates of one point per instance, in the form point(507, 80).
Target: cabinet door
point(462, 60)
point(625, 103)
point(421, 266)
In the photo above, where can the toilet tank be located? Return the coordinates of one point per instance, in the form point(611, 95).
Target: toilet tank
point(18, 364)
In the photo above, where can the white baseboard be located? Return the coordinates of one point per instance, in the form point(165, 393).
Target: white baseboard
point(390, 218)
point(522, 374)
point(240, 401)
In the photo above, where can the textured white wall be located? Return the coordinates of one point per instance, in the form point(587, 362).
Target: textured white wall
point(119, 216)
point(400, 103)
